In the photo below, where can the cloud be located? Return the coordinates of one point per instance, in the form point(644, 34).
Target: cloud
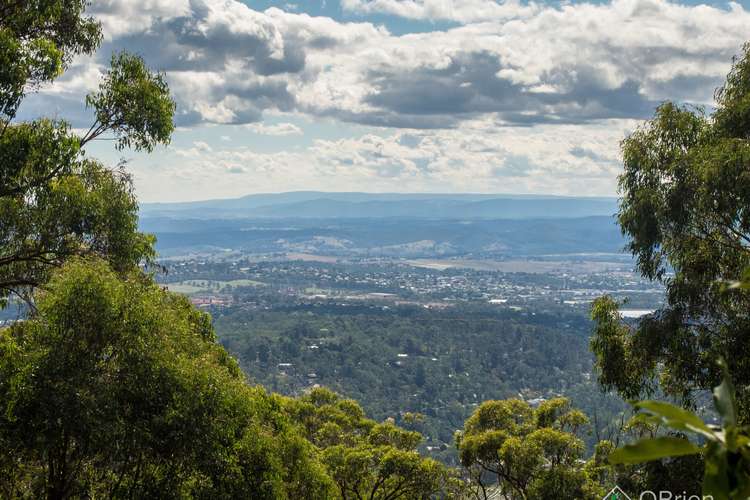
point(513, 96)
point(279, 129)
point(214, 36)
point(477, 156)
point(583, 151)
point(517, 63)
point(202, 146)
point(463, 11)
point(120, 17)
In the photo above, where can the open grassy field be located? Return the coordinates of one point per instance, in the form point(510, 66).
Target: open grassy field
point(192, 287)
point(521, 265)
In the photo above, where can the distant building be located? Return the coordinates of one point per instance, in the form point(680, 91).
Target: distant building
point(211, 300)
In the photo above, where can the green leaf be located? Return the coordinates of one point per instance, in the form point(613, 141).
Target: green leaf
point(646, 450)
point(743, 490)
point(715, 477)
point(724, 399)
point(677, 418)
point(646, 418)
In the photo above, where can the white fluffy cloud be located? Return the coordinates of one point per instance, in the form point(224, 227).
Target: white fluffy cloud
point(446, 10)
point(120, 17)
point(278, 129)
point(523, 63)
point(513, 97)
point(478, 156)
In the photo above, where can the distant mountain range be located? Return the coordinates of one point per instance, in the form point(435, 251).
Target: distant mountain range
point(387, 237)
point(318, 205)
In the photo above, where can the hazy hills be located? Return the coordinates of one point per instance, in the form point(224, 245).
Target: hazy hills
point(386, 224)
point(392, 237)
point(313, 204)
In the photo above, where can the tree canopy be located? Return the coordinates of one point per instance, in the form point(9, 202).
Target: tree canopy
point(38, 38)
point(54, 201)
point(367, 459)
point(531, 453)
point(684, 208)
point(117, 388)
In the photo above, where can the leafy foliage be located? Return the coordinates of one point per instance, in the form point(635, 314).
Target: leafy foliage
point(367, 459)
point(684, 208)
point(133, 103)
point(116, 388)
point(37, 40)
point(533, 453)
point(91, 210)
point(726, 449)
point(455, 358)
point(54, 202)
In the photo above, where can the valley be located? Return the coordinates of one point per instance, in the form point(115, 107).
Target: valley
point(406, 313)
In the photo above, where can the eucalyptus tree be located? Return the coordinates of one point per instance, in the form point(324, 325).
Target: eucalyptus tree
point(116, 388)
point(367, 459)
point(55, 202)
point(685, 210)
point(526, 452)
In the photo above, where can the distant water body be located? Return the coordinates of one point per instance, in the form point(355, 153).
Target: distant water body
point(635, 313)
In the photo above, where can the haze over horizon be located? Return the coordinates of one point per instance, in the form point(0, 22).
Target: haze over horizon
point(313, 194)
point(475, 96)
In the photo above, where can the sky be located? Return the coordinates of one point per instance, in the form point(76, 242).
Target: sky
point(482, 96)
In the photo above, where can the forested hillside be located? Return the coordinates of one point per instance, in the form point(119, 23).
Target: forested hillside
point(441, 364)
